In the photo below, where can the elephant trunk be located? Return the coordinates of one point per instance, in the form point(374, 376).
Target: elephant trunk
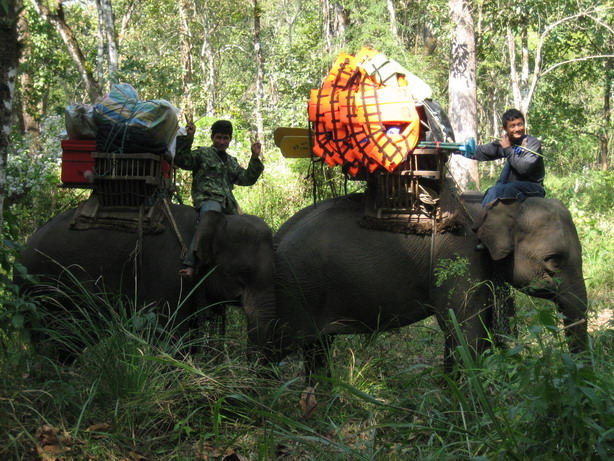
point(261, 323)
point(572, 302)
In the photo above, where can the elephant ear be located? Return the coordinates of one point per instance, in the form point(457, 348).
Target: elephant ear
point(496, 230)
point(211, 226)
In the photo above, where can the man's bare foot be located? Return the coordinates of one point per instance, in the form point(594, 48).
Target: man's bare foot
point(187, 273)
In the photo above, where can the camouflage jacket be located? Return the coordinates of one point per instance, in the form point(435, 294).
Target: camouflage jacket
point(214, 175)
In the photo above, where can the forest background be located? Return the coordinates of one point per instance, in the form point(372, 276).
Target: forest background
point(254, 63)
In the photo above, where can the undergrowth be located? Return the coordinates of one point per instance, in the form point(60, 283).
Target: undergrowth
point(129, 387)
point(108, 380)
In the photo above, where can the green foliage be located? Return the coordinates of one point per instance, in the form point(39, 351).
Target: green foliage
point(15, 306)
point(555, 403)
point(33, 194)
point(450, 268)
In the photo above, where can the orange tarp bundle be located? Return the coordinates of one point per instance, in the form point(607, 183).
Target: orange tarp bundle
point(363, 117)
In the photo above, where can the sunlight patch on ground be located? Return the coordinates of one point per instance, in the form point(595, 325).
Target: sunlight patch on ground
point(601, 321)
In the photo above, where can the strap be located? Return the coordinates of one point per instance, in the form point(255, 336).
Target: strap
point(432, 254)
point(167, 208)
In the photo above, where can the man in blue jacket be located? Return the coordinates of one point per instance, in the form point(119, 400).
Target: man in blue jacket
point(523, 173)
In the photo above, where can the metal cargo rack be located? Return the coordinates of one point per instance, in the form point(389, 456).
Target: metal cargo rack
point(130, 179)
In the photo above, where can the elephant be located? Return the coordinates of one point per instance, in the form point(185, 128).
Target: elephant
point(336, 275)
point(234, 252)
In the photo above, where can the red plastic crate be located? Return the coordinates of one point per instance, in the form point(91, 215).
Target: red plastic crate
point(77, 161)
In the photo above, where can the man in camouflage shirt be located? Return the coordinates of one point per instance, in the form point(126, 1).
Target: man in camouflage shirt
point(214, 175)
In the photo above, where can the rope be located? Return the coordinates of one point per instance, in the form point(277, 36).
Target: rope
point(456, 190)
point(140, 236)
point(432, 253)
point(137, 253)
point(167, 209)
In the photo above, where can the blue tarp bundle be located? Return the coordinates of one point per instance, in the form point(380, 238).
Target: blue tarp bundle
point(128, 125)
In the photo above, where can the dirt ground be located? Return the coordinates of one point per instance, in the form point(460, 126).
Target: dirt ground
point(602, 320)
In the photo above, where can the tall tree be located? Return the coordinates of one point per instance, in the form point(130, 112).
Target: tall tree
point(56, 18)
point(607, 109)
point(29, 108)
point(462, 88)
point(336, 19)
point(185, 32)
point(107, 39)
point(532, 65)
point(9, 61)
point(259, 71)
point(393, 19)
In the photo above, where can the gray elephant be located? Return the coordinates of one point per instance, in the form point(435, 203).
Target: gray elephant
point(236, 251)
point(336, 276)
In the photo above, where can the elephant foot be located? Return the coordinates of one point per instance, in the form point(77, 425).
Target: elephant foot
point(187, 273)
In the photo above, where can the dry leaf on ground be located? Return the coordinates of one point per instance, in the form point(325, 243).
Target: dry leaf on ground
point(308, 401)
point(50, 444)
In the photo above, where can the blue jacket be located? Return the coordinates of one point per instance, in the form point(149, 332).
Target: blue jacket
point(522, 164)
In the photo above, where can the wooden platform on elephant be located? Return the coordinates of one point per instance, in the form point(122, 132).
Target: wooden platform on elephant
point(139, 219)
point(418, 206)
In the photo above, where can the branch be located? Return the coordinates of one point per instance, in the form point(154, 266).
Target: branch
point(538, 52)
point(601, 23)
point(588, 133)
point(585, 58)
point(228, 47)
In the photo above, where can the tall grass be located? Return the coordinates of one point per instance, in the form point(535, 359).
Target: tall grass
point(387, 397)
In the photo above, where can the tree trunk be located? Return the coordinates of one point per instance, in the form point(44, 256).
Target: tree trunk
point(259, 72)
point(127, 16)
point(56, 19)
point(107, 42)
point(207, 65)
point(393, 19)
point(428, 39)
point(327, 23)
point(607, 110)
point(462, 88)
point(100, 50)
point(29, 107)
point(10, 49)
point(109, 31)
point(186, 59)
point(341, 20)
point(524, 73)
point(515, 79)
point(335, 19)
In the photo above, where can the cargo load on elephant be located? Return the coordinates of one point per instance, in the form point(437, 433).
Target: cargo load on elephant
point(122, 149)
point(379, 123)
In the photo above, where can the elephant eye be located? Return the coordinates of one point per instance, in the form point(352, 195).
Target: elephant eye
point(553, 263)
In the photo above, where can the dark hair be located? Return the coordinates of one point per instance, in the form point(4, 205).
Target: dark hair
point(511, 114)
point(221, 127)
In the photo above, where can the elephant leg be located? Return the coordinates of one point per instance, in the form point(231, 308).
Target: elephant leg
point(316, 356)
point(217, 321)
point(214, 323)
point(474, 334)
